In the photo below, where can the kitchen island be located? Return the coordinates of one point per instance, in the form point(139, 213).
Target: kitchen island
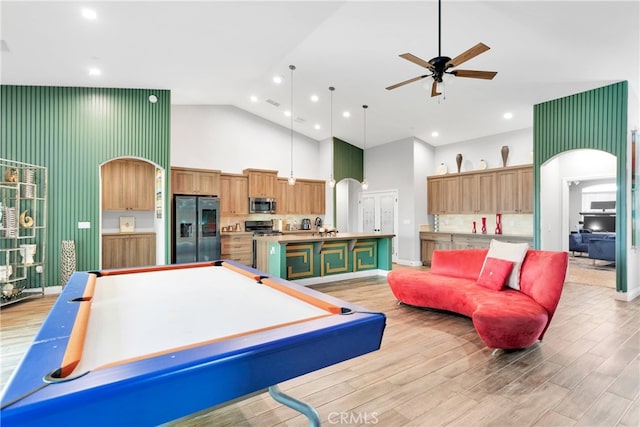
point(317, 258)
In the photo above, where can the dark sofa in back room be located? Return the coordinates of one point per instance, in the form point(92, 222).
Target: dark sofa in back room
point(596, 245)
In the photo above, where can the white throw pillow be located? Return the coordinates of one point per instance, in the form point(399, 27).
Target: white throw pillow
point(514, 252)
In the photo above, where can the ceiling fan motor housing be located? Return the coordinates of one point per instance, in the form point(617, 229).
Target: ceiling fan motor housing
point(439, 66)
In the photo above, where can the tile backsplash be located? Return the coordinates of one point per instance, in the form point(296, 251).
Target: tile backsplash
point(512, 224)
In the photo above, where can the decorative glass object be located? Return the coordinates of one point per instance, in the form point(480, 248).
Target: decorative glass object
point(498, 223)
point(484, 225)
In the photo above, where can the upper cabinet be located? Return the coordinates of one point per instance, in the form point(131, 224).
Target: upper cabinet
point(233, 194)
point(443, 195)
point(128, 184)
point(306, 197)
point(203, 182)
point(262, 183)
point(506, 190)
point(478, 193)
point(515, 190)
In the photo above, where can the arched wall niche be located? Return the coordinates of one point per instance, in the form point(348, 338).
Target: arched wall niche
point(596, 119)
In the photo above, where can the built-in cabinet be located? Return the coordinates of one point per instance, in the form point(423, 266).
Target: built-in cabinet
point(262, 183)
point(431, 241)
point(23, 226)
point(128, 184)
point(234, 194)
point(505, 190)
point(515, 190)
point(122, 250)
point(237, 246)
point(443, 195)
point(478, 193)
point(305, 197)
point(201, 182)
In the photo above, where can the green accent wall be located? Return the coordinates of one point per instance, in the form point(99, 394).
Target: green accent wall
point(596, 119)
point(347, 161)
point(72, 131)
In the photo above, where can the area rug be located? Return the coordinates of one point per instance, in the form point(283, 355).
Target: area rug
point(583, 270)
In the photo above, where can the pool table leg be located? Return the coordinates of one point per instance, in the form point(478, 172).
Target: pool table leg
point(298, 405)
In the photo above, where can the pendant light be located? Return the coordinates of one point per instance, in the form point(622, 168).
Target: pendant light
point(332, 181)
point(292, 180)
point(365, 184)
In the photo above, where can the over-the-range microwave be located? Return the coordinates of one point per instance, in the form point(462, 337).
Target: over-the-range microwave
point(262, 205)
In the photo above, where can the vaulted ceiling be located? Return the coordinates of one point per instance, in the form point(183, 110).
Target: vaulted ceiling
point(213, 52)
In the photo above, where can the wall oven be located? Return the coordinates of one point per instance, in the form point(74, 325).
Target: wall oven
point(262, 205)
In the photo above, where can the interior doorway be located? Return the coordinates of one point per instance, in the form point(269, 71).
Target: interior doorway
point(379, 213)
point(564, 205)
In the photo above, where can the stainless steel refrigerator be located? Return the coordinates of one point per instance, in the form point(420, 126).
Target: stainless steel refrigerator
point(196, 231)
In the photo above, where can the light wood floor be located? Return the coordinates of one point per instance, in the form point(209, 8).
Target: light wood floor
point(433, 370)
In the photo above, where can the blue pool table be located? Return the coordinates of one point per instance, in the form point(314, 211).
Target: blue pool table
point(150, 345)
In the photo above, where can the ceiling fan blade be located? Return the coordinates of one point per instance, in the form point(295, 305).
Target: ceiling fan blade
point(415, 79)
point(467, 55)
point(419, 61)
point(434, 87)
point(487, 75)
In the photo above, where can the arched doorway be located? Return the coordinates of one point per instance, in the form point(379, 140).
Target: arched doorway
point(565, 203)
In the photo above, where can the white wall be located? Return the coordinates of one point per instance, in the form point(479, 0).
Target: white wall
point(520, 145)
point(393, 166)
point(229, 139)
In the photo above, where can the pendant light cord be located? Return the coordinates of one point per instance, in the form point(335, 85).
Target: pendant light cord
point(331, 180)
point(291, 181)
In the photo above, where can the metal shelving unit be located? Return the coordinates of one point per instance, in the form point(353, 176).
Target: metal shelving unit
point(23, 230)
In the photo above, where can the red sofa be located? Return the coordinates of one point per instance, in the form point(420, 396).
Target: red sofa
point(505, 319)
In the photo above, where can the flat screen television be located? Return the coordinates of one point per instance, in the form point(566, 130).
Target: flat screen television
point(600, 223)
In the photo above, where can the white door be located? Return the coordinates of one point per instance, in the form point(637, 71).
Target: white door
point(379, 212)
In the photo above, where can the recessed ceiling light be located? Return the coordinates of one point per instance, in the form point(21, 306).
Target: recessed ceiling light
point(253, 98)
point(89, 14)
point(346, 114)
point(287, 113)
point(93, 71)
point(507, 115)
point(434, 134)
point(278, 79)
point(314, 98)
point(316, 126)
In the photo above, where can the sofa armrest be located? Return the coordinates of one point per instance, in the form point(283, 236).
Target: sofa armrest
point(603, 249)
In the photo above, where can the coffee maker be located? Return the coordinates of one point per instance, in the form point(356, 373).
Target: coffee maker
point(306, 224)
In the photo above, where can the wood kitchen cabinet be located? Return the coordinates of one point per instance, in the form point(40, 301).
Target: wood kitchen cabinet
point(237, 246)
point(120, 250)
point(262, 183)
point(285, 197)
point(234, 199)
point(478, 193)
point(443, 195)
point(306, 197)
point(515, 190)
point(430, 242)
point(128, 184)
point(202, 182)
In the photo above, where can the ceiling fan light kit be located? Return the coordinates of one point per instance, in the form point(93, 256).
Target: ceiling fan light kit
point(441, 66)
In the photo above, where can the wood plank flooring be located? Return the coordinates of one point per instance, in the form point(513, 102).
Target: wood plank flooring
point(433, 370)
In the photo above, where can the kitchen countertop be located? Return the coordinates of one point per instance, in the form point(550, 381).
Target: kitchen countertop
point(315, 237)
